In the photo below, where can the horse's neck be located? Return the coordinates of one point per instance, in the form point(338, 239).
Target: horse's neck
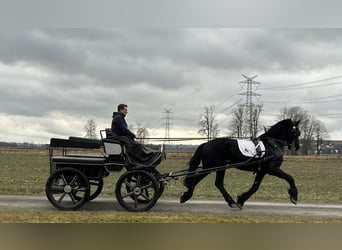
point(276, 137)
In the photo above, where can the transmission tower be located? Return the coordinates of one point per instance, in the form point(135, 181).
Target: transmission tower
point(167, 117)
point(249, 107)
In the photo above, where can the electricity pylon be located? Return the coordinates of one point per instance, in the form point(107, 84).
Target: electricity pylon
point(167, 117)
point(249, 107)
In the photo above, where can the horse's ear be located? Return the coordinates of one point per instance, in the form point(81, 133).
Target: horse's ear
point(265, 129)
point(296, 123)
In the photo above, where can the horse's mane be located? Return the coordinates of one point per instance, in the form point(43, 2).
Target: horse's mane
point(277, 129)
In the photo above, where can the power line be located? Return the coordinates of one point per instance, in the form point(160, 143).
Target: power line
point(305, 85)
point(231, 106)
point(332, 115)
point(231, 96)
point(325, 99)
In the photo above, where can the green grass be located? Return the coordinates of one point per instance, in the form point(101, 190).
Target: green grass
point(145, 217)
point(318, 181)
point(25, 174)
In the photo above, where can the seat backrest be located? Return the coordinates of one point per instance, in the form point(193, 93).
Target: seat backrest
point(109, 133)
point(106, 133)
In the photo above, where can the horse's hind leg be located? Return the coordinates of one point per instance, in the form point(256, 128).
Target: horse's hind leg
point(293, 192)
point(190, 183)
point(219, 183)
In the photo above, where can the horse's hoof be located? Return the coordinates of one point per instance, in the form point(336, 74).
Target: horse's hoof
point(239, 205)
point(239, 202)
point(232, 205)
point(235, 205)
point(293, 196)
point(184, 198)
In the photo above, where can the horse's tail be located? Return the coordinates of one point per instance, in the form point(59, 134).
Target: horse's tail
point(194, 163)
point(196, 158)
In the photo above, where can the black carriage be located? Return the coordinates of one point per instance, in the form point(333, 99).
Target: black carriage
point(76, 177)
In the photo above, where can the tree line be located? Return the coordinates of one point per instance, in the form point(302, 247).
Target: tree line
point(312, 130)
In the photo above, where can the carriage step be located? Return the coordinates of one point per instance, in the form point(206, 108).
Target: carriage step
point(79, 159)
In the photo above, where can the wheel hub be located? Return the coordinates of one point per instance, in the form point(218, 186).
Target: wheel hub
point(67, 189)
point(137, 191)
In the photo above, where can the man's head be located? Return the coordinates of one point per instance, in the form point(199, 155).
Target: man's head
point(122, 108)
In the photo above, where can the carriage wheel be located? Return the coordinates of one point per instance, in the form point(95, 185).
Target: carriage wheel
point(96, 187)
point(161, 183)
point(137, 190)
point(98, 184)
point(62, 186)
point(133, 179)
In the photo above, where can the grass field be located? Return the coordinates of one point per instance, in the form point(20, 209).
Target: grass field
point(318, 180)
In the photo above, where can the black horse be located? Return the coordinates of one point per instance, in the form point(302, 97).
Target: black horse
point(222, 151)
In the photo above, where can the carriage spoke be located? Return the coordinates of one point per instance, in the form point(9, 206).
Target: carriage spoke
point(57, 188)
point(147, 186)
point(73, 198)
point(136, 201)
point(145, 195)
point(128, 194)
point(79, 189)
point(64, 179)
point(61, 198)
point(73, 180)
point(128, 184)
point(139, 180)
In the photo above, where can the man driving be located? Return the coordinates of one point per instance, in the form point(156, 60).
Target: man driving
point(119, 125)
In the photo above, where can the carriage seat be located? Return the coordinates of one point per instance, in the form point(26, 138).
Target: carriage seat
point(135, 156)
point(75, 142)
point(85, 140)
point(109, 133)
point(112, 146)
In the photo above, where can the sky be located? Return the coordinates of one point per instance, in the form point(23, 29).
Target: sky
point(53, 80)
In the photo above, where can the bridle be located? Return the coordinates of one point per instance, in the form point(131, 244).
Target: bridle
point(293, 137)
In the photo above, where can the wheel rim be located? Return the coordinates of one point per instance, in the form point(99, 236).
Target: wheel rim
point(98, 184)
point(62, 187)
point(96, 187)
point(137, 191)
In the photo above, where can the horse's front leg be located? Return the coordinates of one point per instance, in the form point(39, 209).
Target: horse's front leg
point(219, 183)
point(245, 196)
point(293, 192)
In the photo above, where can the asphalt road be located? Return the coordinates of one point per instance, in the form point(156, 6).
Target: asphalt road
point(216, 207)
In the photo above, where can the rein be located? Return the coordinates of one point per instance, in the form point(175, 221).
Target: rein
point(280, 142)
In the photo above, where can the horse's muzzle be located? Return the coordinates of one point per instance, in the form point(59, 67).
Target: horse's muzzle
point(297, 146)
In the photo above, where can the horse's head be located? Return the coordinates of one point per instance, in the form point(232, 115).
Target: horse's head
point(293, 136)
point(286, 131)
